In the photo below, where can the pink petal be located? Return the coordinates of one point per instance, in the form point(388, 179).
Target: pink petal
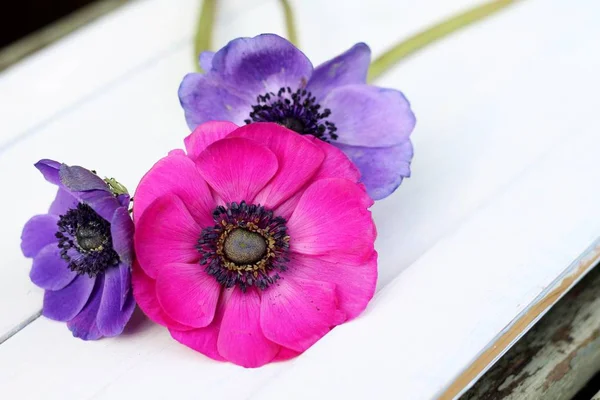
point(286, 208)
point(237, 168)
point(295, 313)
point(297, 157)
point(178, 175)
point(204, 340)
point(336, 164)
point(206, 134)
point(332, 216)
point(144, 292)
point(177, 152)
point(241, 340)
point(286, 354)
point(354, 280)
point(188, 294)
point(166, 233)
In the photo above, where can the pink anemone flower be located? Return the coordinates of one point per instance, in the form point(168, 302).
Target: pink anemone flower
point(253, 244)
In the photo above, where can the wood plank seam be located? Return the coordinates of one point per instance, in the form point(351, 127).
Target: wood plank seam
point(20, 326)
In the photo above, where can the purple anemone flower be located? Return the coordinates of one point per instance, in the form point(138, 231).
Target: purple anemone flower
point(267, 79)
point(82, 252)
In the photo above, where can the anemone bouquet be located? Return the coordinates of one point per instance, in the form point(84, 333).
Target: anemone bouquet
point(254, 241)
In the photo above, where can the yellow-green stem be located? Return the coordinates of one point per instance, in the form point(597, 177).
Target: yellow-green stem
point(290, 23)
point(204, 30)
point(430, 35)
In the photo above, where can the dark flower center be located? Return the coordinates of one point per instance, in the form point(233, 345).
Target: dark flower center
point(246, 247)
point(298, 111)
point(85, 241)
point(292, 123)
point(90, 237)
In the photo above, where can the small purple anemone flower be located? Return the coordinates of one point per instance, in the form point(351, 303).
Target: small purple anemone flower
point(82, 252)
point(267, 79)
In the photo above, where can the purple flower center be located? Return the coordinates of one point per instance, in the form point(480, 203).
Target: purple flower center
point(298, 111)
point(246, 247)
point(85, 241)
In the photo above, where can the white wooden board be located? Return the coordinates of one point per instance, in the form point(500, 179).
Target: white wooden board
point(502, 200)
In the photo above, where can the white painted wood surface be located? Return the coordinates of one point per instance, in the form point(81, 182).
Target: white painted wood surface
point(503, 198)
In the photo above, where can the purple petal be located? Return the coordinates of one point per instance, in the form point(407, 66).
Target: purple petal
point(49, 168)
point(125, 271)
point(90, 189)
point(348, 68)
point(101, 201)
point(49, 270)
point(370, 116)
point(79, 179)
point(261, 64)
point(111, 318)
point(63, 202)
point(206, 58)
point(238, 73)
point(124, 200)
point(121, 229)
point(86, 186)
point(204, 99)
point(84, 325)
point(65, 304)
point(382, 168)
point(38, 232)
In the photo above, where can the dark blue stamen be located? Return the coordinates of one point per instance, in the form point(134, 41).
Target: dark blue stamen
point(298, 111)
point(85, 241)
point(246, 247)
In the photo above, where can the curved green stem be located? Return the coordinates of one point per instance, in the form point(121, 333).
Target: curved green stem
point(204, 30)
point(430, 35)
point(290, 23)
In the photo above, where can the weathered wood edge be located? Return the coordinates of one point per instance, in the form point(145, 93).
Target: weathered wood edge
point(505, 340)
point(557, 357)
